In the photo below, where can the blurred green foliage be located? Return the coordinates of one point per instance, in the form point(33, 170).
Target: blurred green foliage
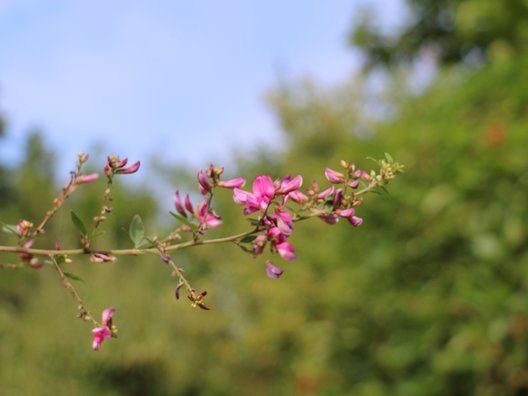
point(428, 297)
point(454, 30)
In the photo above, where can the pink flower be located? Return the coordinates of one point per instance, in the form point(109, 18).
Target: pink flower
point(286, 251)
point(206, 218)
point(233, 183)
point(178, 204)
point(361, 174)
point(23, 228)
point(273, 271)
point(106, 331)
point(203, 184)
point(353, 184)
point(289, 185)
point(128, 170)
point(26, 256)
point(263, 193)
point(284, 221)
point(298, 197)
point(330, 218)
point(334, 176)
point(116, 166)
point(324, 194)
point(87, 178)
point(96, 257)
point(355, 221)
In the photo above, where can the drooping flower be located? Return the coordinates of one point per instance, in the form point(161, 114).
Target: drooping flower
point(273, 271)
point(285, 250)
point(106, 331)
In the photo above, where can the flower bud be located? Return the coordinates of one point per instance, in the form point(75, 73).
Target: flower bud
point(273, 271)
point(334, 176)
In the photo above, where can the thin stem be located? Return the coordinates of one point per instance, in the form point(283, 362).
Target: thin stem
point(128, 252)
point(10, 266)
point(83, 312)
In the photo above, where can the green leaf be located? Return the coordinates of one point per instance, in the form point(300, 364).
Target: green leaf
point(60, 260)
point(183, 220)
point(10, 228)
point(136, 231)
point(71, 276)
point(248, 239)
point(389, 158)
point(78, 223)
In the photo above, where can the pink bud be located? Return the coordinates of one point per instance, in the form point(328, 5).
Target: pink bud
point(131, 169)
point(361, 174)
point(285, 250)
point(188, 204)
point(87, 178)
point(273, 271)
point(324, 194)
point(353, 184)
point(203, 183)
point(334, 176)
point(233, 183)
point(355, 221)
point(329, 219)
point(178, 204)
point(288, 184)
point(101, 258)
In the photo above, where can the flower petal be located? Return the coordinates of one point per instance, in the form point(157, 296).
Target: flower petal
point(273, 271)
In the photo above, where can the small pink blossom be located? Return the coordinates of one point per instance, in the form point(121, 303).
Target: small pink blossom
point(298, 197)
point(83, 179)
point(286, 251)
point(27, 256)
point(324, 194)
point(334, 176)
point(273, 271)
point(106, 331)
point(353, 184)
point(96, 257)
point(355, 221)
point(259, 199)
point(23, 227)
point(289, 185)
point(233, 183)
point(330, 218)
point(203, 183)
point(128, 170)
point(206, 218)
point(361, 174)
point(179, 205)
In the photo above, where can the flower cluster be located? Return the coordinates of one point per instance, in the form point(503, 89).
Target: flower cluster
point(204, 215)
point(275, 222)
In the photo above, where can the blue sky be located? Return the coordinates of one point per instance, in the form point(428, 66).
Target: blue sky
point(183, 80)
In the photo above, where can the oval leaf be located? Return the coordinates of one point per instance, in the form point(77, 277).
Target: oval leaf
point(78, 223)
point(136, 230)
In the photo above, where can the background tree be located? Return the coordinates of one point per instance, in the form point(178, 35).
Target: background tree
point(453, 30)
